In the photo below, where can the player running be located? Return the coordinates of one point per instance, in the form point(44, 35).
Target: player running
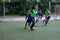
point(39, 15)
point(47, 17)
point(31, 19)
point(28, 22)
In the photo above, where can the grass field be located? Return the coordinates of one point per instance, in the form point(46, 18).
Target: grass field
point(15, 31)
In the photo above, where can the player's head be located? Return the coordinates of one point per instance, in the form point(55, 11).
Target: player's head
point(39, 9)
point(47, 9)
point(36, 7)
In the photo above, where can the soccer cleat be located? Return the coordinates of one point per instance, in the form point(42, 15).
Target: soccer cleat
point(32, 29)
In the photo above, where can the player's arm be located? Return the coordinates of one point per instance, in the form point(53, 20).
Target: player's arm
point(26, 16)
point(50, 14)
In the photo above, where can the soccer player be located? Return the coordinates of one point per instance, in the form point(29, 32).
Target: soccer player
point(32, 18)
point(47, 17)
point(39, 15)
point(27, 19)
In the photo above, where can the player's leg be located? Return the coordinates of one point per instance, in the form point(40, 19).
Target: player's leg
point(29, 23)
point(37, 19)
point(41, 15)
point(47, 19)
point(32, 25)
point(26, 23)
point(44, 20)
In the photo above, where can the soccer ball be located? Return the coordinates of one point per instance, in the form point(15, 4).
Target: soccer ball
point(33, 27)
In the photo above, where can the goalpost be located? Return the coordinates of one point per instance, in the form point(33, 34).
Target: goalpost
point(50, 5)
point(4, 14)
point(3, 7)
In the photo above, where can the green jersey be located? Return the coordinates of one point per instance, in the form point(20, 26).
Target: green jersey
point(33, 14)
point(46, 13)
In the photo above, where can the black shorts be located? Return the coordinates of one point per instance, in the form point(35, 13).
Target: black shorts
point(31, 19)
point(47, 18)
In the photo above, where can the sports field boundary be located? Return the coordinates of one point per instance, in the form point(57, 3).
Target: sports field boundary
point(22, 18)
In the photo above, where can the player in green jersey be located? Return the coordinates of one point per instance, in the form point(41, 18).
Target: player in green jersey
point(33, 15)
point(47, 17)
